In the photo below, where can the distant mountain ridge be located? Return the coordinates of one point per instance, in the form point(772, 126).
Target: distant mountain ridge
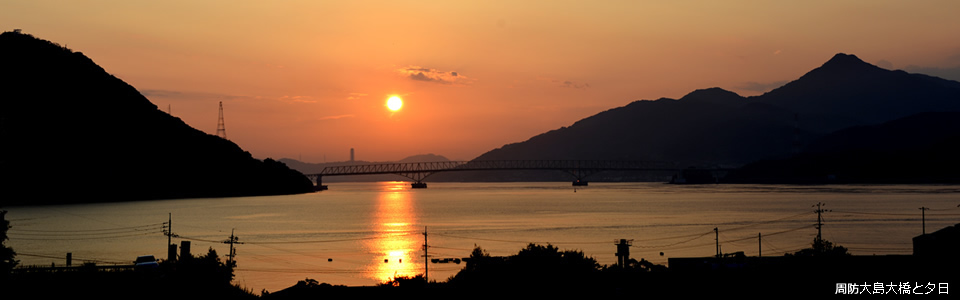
point(73, 133)
point(846, 86)
point(718, 127)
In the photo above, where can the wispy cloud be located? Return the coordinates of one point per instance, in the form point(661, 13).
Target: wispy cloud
point(433, 75)
point(354, 96)
point(336, 117)
point(566, 83)
point(297, 99)
point(571, 84)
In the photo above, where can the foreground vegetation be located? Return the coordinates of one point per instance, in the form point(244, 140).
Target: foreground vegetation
point(539, 270)
point(536, 270)
point(204, 276)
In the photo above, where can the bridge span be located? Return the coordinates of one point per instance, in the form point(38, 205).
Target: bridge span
point(418, 171)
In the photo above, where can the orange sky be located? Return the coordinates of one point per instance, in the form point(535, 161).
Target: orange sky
point(309, 79)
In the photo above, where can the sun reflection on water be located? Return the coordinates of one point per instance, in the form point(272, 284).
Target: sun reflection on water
point(397, 245)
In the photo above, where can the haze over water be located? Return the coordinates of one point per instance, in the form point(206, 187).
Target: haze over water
point(370, 232)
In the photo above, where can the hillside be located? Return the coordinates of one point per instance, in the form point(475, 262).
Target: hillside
point(74, 133)
point(718, 127)
point(917, 149)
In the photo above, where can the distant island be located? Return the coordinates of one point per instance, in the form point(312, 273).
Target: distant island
point(74, 133)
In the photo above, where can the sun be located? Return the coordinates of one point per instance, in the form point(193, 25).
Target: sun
point(394, 103)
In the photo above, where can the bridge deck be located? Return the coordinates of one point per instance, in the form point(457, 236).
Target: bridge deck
point(431, 167)
point(417, 171)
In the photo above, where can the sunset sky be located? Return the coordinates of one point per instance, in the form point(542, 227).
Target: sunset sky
point(310, 79)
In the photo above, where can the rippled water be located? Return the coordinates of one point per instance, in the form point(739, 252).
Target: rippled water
point(365, 233)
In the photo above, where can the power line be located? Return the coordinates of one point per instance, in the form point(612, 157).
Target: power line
point(677, 243)
point(54, 234)
point(85, 238)
point(198, 239)
point(694, 236)
point(16, 229)
point(96, 260)
point(325, 241)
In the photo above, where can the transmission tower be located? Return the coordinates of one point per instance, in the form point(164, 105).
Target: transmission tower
point(221, 128)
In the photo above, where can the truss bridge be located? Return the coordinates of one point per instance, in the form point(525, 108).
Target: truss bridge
point(418, 171)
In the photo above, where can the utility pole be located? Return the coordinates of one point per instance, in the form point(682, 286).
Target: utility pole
point(820, 211)
point(717, 232)
point(923, 218)
point(168, 231)
point(233, 252)
point(759, 244)
point(426, 258)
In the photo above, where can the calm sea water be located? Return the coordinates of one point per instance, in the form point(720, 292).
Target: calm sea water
point(366, 233)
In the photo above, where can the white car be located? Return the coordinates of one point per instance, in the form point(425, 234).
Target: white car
point(145, 262)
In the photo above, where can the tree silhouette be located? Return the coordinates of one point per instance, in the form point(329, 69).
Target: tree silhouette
point(822, 247)
point(478, 257)
point(206, 269)
point(534, 266)
point(417, 281)
point(7, 255)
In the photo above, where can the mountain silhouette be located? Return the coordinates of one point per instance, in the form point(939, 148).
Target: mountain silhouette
point(847, 88)
point(718, 127)
point(73, 133)
point(921, 148)
point(705, 126)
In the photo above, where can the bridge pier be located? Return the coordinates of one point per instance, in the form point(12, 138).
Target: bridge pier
point(579, 182)
point(320, 186)
point(418, 185)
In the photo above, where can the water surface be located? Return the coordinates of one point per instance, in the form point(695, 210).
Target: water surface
point(365, 233)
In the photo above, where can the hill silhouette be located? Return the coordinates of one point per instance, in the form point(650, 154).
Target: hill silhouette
point(864, 94)
point(705, 126)
point(74, 133)
point(718, 127)
point(921, 148)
